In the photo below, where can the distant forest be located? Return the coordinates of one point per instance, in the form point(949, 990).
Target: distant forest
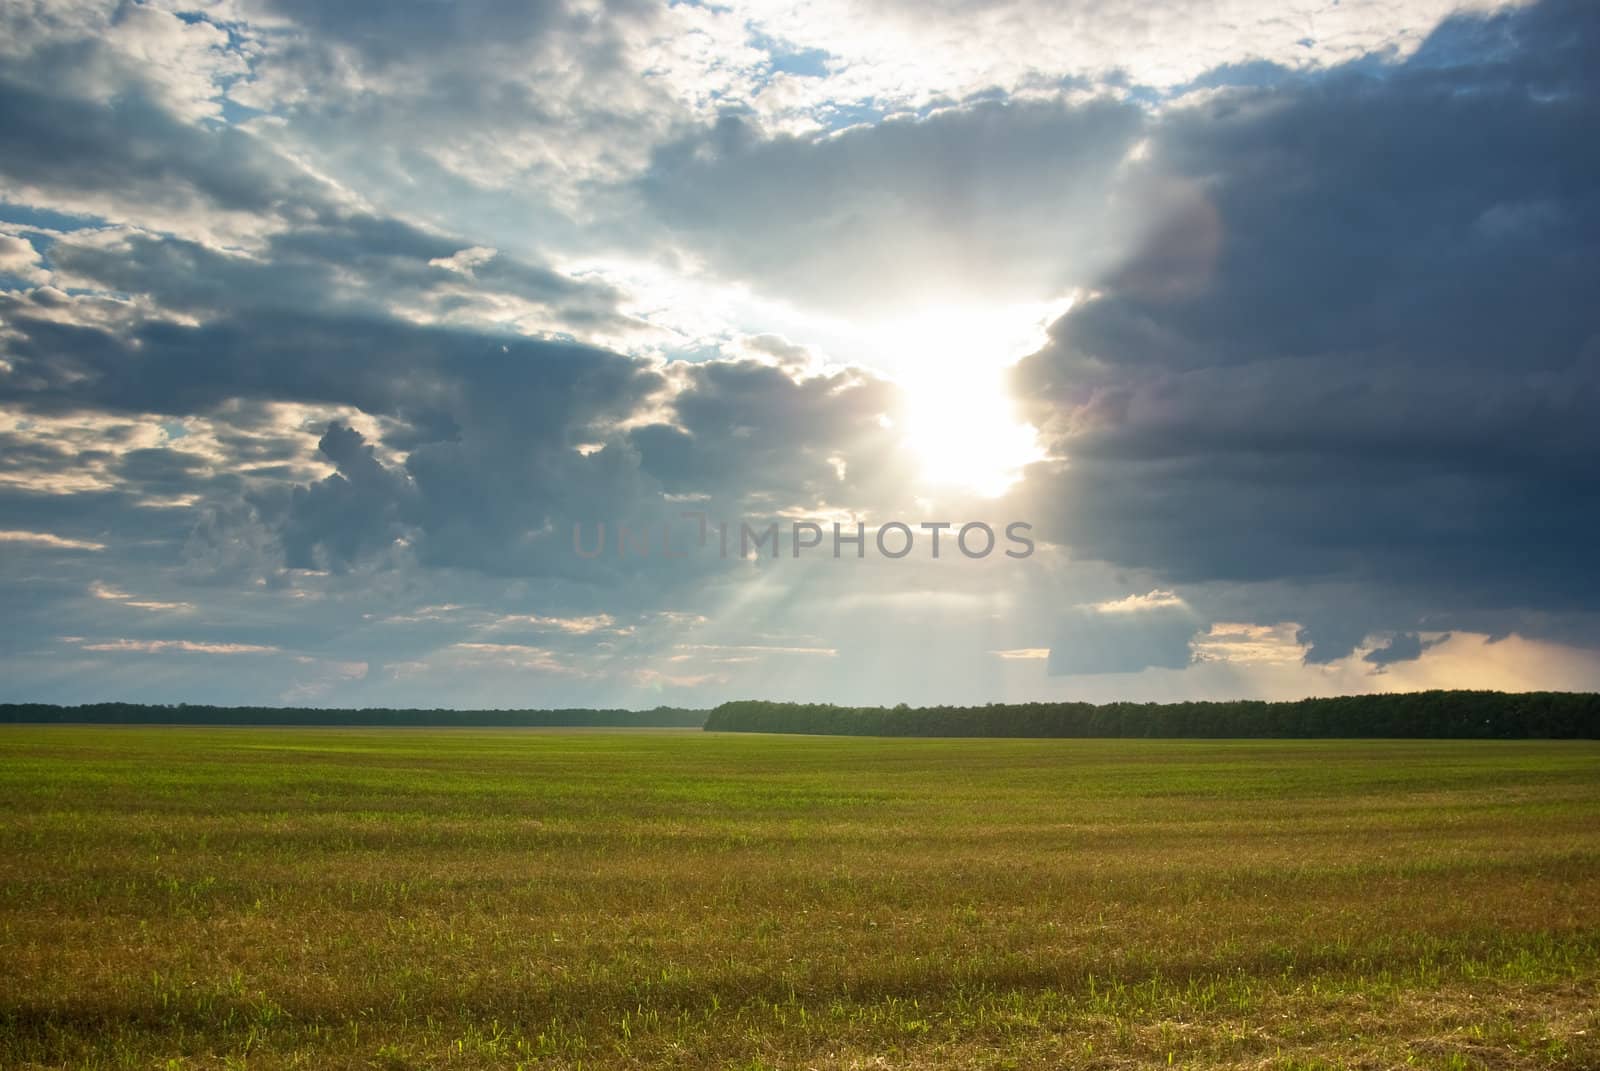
point(195, 714)
point(1438, 714)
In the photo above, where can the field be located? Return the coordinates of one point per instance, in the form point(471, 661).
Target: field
point(360, 898)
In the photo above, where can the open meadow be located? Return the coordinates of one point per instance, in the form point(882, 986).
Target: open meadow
point(369, 898)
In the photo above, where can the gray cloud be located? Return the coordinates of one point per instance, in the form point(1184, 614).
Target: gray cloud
point(1387, 372)
point(1123, 639)
point(750, 432)
point(129, 157)
point(1004, 200)
point(349, 262)
point(1401, 647)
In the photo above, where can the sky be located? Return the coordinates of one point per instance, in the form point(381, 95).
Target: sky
point(467, 354)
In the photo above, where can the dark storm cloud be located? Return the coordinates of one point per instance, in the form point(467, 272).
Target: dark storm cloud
point(1368, 349)
point(389, 367)
point(359, 508)
point(1328, 641)
point(1402, 647)
point(503, 496)
point(493, 420)
point(489, 425)
point(1089, 639)
point(744, 431)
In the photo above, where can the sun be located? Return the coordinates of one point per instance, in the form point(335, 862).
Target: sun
point(960, 420)
point(963, 428)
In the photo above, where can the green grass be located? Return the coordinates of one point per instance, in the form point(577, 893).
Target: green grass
point(237, 898)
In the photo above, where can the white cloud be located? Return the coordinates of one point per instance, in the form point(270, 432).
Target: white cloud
point(18, 257)
point(1249, 644)
point(464, 261)
point(173, 646)
point(900, 54)
point(1132, 604)
point(107, 592)
point(48, 539)
point(518, 656)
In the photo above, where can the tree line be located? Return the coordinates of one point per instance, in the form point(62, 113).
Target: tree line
point(200, 714)
point(1435, 714)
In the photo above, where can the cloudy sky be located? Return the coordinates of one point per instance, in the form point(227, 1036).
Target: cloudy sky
point(322, 327)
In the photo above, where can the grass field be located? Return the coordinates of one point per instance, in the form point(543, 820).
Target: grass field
point(409, 898)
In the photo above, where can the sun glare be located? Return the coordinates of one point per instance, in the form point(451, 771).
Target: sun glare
point(961, 420)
